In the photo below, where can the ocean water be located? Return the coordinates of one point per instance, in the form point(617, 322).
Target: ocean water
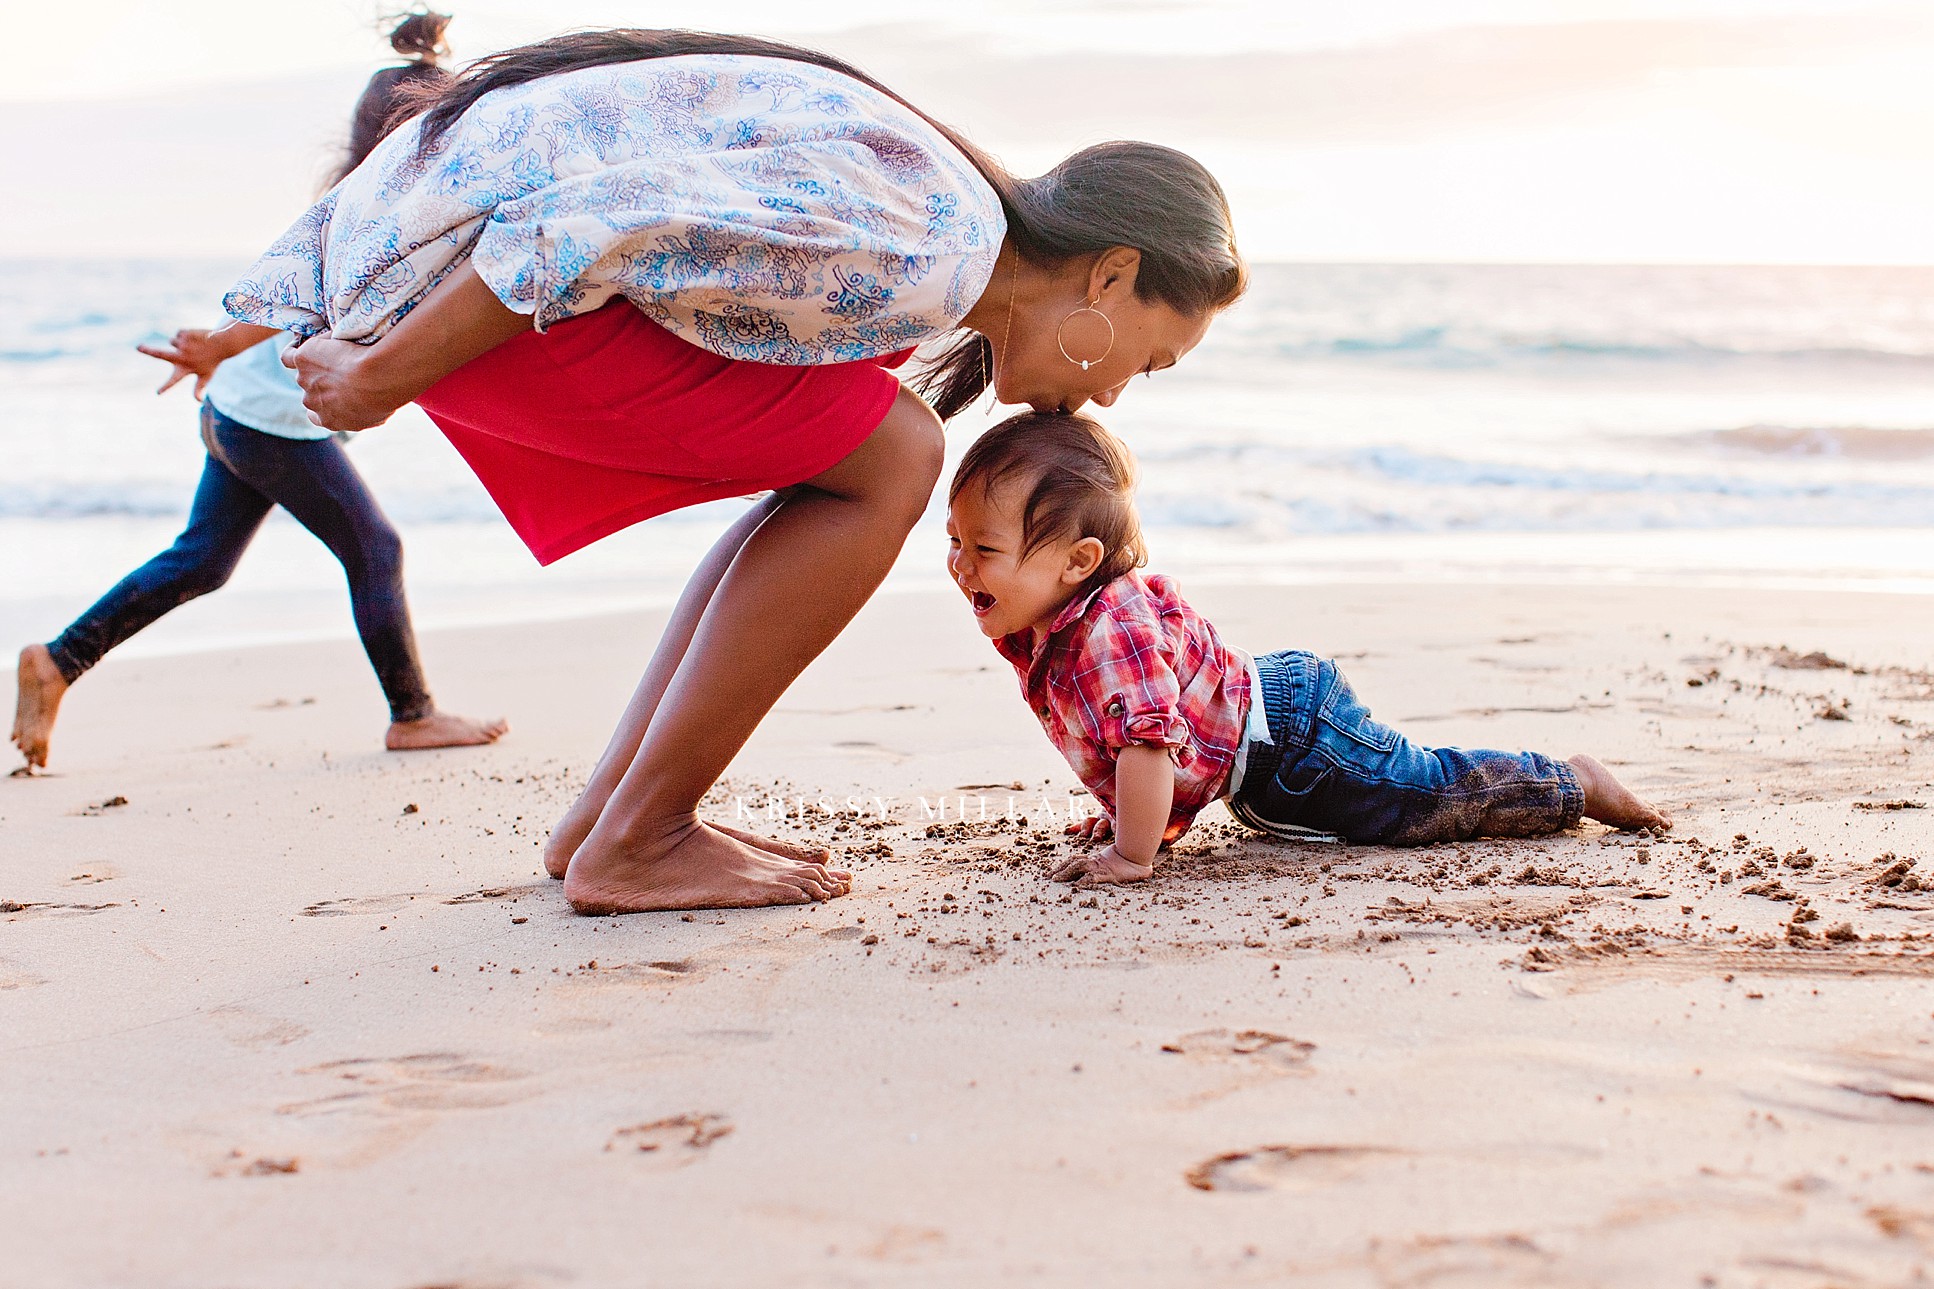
point(1711, 425)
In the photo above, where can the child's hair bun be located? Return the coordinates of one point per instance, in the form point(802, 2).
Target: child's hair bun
point(419, 35)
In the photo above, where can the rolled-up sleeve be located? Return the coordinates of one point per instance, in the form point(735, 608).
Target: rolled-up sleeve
point(1127, 692)
point(284, 288)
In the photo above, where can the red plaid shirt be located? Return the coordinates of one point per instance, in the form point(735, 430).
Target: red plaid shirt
point(1133, 663)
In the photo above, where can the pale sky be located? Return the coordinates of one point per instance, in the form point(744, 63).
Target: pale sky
point(1547, 130)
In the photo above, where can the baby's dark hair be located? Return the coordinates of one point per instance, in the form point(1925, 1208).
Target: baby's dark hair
point(1080, 482)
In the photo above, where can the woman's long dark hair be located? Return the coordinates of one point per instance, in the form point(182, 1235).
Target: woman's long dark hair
point(1159, 201)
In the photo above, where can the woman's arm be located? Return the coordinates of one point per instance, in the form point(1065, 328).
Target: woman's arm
point(352, 387)
point(197, 352)
point(1144, 794)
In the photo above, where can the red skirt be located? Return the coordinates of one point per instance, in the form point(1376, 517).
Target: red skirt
point(607, 419)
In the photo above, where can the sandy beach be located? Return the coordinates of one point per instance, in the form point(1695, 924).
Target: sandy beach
point(280, 1008)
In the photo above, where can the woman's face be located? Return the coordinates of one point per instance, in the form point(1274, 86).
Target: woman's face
point(1031, 366)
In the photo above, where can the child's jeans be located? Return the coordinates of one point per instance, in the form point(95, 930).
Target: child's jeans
point(1332, 769)
point(248, 474)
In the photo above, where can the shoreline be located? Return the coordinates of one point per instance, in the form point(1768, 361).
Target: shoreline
point(261, 1023)
point(542, 596)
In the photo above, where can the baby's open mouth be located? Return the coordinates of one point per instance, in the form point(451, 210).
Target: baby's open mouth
point(982, 601)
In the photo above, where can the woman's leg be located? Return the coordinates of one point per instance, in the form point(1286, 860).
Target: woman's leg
point(221, 523)
point(314, 481)
point(578, 821)
point(796, 581)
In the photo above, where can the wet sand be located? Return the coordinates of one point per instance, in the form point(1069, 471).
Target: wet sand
point(300, 1012)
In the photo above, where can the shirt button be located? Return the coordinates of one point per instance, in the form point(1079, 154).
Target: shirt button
point(1114, 708)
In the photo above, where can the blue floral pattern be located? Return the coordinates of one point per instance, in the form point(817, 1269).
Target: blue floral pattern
point(761, 208)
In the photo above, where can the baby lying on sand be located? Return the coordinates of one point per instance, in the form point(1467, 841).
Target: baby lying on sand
point(1158, 717)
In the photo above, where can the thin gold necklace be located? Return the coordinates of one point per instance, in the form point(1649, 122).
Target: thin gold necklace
point(1007, 333)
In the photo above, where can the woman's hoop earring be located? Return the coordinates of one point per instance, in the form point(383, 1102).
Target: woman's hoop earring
point(1085, 363)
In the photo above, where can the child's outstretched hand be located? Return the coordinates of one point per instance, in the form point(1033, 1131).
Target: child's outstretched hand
point(1105, 867)
point(194, 351)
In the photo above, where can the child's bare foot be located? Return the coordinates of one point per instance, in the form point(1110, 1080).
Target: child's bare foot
point(692, 866)
point(1611, 802)
point(441, 729)
point(41, 689)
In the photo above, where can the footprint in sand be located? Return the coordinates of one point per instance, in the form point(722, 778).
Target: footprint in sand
point(1508, 1261)
point(255, 1030)
point(490, 893)
point(1285, 1168)
point(44, 908)
point(600, 975)
point(671, 1143)
point(239, 1164)
point(1256, 1047)
point(351, 906)
point(354, 1111)
point(867, 747)
point(1887, 1079)
point(14, 975)
point(402, 1084)
point(1887, 1088)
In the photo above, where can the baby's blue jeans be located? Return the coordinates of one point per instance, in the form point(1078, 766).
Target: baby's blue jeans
point(1332, 769)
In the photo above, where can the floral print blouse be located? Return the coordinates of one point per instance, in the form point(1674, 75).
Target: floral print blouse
point(760, 208)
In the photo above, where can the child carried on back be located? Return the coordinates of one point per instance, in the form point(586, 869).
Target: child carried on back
point(1158, 717)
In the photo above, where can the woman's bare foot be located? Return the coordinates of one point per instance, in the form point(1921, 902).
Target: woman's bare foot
point(568, 833)
point(692, 866)
point(1611, 802)
point(441, 729)
point(41, 689)
point(580, 819)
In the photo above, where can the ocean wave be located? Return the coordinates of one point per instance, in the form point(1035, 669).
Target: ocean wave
point(1390, 489)
point(121, 499)
point(1446, 347)
point(1456, 316)
point(1843, 442)
point(158, 499)
point(169, 499)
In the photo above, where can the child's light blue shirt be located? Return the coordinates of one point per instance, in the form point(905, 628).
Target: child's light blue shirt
point(256, 390)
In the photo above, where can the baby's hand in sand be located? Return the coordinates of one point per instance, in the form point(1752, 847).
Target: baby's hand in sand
point(336, 387)
point(1093, 828)
point(1106, 867)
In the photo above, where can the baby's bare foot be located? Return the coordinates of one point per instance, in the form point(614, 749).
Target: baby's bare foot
point(1611, 802)
point(694, 866)
point(41, 689)
point(441, 729)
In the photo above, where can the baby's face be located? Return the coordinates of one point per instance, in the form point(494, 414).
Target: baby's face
point(1009, 593)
